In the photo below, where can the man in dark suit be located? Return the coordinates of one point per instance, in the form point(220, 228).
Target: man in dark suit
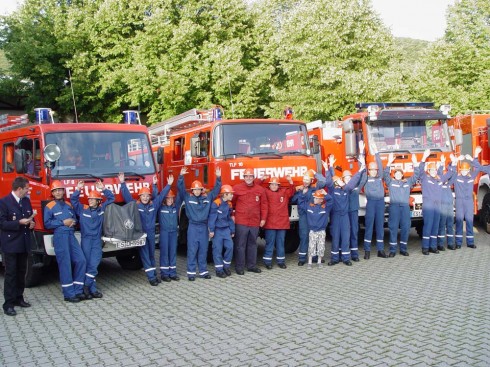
point(16, 222)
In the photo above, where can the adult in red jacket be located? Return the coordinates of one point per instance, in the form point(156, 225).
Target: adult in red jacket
point(250, 204)
point(277, 224)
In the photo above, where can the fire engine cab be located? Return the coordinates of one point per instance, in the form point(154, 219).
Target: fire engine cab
point(44, 151)
point(401, 128)
point(202, 140)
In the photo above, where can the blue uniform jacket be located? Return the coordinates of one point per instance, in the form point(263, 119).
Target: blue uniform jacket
point(220, 216)
point(14, 237)
point(373, 186)
point(148, 212)
point(55, 212)
point(197, 207)
point(463, 185)
point(400, 189)
point(91, 220)
point(317, 215)
point(168, 216)
point(432, 187)
point(299, 197)
point(447, 192)
point(341, 196)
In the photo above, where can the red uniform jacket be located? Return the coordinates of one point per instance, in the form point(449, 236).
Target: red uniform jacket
point(278, 217)
point(250, 203)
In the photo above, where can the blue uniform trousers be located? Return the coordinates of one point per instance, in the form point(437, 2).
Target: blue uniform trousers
point(375, 214)
point(92, 250)
point(69, 253)
point(464, 212)
point(431, 216)
point(354, 233)
point(197, 249)
point(399, 217)
point(340, 230)
point(304, 237)
point(245, 246)
point(168, 253)
point(446, 225)
point(222, 241)
point(147, 255)
point(274, 237)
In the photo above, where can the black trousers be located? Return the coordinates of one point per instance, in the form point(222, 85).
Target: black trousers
point(15, 273)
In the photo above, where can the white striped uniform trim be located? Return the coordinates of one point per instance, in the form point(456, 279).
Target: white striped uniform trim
point(425, 238)
point(403, 242)
point(335, 253)
point(433, 236)
point(164, 267)
point(459, 235)
point(354, 249)
point(203, 273)
point(393, 243)
point(368, 241)
point(379, 240)
point(267, 258)
point(280, 258)
point(172, 267)
point(441, 236)
point(227, 262)
point(80, 283)
point(191, 273)
point(302, 253)
point(346, 253)
point(450, 235)
point(67, 285)
point(89, 275)
point(149, 269)
point(469, 236)
point(218, 266)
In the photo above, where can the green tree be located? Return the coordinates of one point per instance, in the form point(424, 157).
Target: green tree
point(329, 54)
point(457, 68)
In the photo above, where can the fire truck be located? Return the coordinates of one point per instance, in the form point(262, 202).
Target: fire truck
point(202, 140)
point(44, 151)
point(399, 128)
point(471, 130)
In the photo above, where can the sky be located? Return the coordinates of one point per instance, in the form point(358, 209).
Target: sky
point(420, 19)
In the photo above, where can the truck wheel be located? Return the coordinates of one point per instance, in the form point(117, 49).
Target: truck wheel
point(419, 227)
point(130, 261)
point(291, 242)
point(485, 213)
point(35, 270)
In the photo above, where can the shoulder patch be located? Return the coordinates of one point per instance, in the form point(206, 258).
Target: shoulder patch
point(217, 201)
point(51, 204)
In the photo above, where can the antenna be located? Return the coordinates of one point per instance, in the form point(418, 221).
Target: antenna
point(231, 96)
point(73, 97)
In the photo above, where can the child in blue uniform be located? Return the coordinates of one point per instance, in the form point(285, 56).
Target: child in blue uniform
point(222, 231)
point(197, 206)
point(446, 220)
point(91, 218)
point(399, 209)
point(148, 210)
point(168, 219)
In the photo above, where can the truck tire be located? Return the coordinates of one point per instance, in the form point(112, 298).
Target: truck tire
point(291, 242)
point(35, 270)
point(485, 213)
point(131, 261)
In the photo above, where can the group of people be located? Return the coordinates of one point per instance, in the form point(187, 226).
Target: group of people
point(231, 216)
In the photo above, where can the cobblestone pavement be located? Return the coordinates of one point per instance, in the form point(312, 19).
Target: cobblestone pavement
point(406, 311)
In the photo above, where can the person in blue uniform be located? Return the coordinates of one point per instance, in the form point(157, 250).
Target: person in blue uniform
point(463, 193)
point(399, 209)
point(221, 231)
point(148, 210)
point(305, 193)
point(16, 223)
point(375, 204)
point(353, 213)
point(340, 224)
point(91, 219)
point(60, 217)
point(318, 213)
point(168, 218)
point(197, 206)
point(431, 197)
point(446, 220)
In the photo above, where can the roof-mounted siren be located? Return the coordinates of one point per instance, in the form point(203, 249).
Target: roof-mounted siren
point(445, 108)
point(44, 115)
point(132, 117)
point(217, 112)
point(373, 111)
point(288, 113)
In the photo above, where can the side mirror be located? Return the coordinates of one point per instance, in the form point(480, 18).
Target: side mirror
point(350, 144)
point(160, 155)
point(314, 144)
point(458, 137)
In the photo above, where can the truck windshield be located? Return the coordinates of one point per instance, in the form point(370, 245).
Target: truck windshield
point(260, 138)
point(409, 135)
point(101, 153)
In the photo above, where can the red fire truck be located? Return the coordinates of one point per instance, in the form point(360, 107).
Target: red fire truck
point(202, 140)
point(401, 128)
point(44, 151)
point(471, 130)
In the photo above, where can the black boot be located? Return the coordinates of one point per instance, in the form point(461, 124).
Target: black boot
point(87, 293)
point(382, 254)
point(367, 255)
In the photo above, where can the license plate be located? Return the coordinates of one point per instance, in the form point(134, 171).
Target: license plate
point(416, 213)
point(134, 243)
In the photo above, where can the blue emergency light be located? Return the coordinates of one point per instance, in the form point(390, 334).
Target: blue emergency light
point(132, 117)
point(43, 115)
